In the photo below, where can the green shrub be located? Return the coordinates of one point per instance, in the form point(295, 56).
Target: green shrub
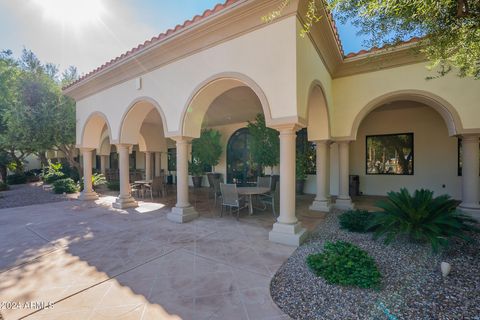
point(345, 264)
point(113, 185)
point(3, 186)
point(356, 220)
point(65, 185)
point(54, 176)
point(98, 179)
point(16, 178)
point(422, 218)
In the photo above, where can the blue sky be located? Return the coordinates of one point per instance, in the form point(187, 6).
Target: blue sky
point(89, 40)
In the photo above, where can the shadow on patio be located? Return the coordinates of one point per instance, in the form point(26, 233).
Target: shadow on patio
point(94, 261)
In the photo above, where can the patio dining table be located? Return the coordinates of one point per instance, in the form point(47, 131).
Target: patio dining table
point(249, 191)
point(142, 184)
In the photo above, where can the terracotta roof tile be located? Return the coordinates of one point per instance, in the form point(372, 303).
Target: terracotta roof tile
point(374, 49)
point(155, 40)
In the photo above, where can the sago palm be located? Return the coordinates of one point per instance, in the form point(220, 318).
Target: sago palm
point(422, 218)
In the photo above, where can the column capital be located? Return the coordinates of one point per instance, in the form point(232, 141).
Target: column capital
point(85, 149)
point(287, 128)
point(325, 141)
point(470, 137)
point(182, 139)
point(123, 145)
point(342, 141)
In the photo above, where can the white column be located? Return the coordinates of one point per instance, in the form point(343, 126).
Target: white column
point(287, 229)
point(103, 164)
point(158, 163)
point(322, 200)
point(125, 199)
point(470, 181)
point(87, 193)
point(148, 165)
point(183, 211)
point(343, 201)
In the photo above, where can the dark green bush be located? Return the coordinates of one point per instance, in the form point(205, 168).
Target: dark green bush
point(345, 264)
point(65, 186)
point(50, 178)
point(422, 218)
point(356, 220)
point(16, 178)
point(3, 186)
point(113, 185)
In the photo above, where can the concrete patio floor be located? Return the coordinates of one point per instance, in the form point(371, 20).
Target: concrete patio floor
point(94, 262)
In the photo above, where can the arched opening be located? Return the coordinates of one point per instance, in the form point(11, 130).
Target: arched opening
point(226, 105)
point(406, 143)
point(142, 128)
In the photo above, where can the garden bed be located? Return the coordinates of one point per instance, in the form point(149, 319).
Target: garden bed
point(412, 284)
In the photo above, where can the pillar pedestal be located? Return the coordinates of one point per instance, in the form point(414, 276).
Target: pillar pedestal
point(183, 211)
point(287, 230)
point(87, 194)
point(470, 181)
point(125, 199)
point(322, 201)
point(343, 201)
point(289, 234)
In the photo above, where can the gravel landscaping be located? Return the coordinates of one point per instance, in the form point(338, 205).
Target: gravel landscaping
point(29, 194)
point(412, 284)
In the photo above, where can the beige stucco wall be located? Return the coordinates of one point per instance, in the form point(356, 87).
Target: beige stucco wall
point(353, 93)
point(311, 71)
point(271, 47)
point(435, 153)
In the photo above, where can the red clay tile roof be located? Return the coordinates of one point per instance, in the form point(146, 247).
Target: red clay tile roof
point(335, 31)
point(374, 49)
point(155, 40)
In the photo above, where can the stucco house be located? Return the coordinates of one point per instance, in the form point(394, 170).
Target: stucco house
point(225, 66)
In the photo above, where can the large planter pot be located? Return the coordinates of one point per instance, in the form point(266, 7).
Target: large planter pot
point(299, 186)
point(169, 179)
point(197, 181)
point(212, 176)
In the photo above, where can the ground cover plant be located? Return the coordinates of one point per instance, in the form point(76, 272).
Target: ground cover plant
point(421, 218)
point(345, 264)
point(16, 178)
point(65, 186)
point(356, 220)
point(3, 186)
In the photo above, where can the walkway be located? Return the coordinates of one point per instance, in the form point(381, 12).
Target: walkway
point(94, 262)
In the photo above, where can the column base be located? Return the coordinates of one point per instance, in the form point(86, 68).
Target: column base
point(124, 203)
point(344, 204)
point(472, 209)
point(320, 205)
point(88, 196)
point(289, 234)
point(182, 215)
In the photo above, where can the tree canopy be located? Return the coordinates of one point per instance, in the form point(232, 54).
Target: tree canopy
point(449, 30)
point(34, 114)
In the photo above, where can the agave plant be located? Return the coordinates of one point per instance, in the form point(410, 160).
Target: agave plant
point(422, 218)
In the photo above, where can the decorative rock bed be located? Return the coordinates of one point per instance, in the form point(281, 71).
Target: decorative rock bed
point(412, 283)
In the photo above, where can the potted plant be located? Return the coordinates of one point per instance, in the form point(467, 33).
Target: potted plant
point(265, 143)
point(207, 150)
point(196, 170)
point(300, 172)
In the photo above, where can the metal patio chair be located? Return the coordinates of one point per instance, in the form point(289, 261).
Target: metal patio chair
point(231, 199)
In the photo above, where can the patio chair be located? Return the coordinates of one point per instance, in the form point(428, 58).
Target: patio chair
point(216, 189)
point(147, 188)
point(135, 189)
point(264, 182)
point(272, 199)
point(230, 198)
point(158, 186)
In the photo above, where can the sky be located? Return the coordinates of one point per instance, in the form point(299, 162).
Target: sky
point(88, 33)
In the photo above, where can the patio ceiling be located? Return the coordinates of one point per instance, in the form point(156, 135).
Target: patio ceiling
point(236, 105)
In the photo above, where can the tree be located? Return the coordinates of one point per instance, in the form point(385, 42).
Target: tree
point(265, 143)
point(36, 117)
point(207, 149)
point(449, 30)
